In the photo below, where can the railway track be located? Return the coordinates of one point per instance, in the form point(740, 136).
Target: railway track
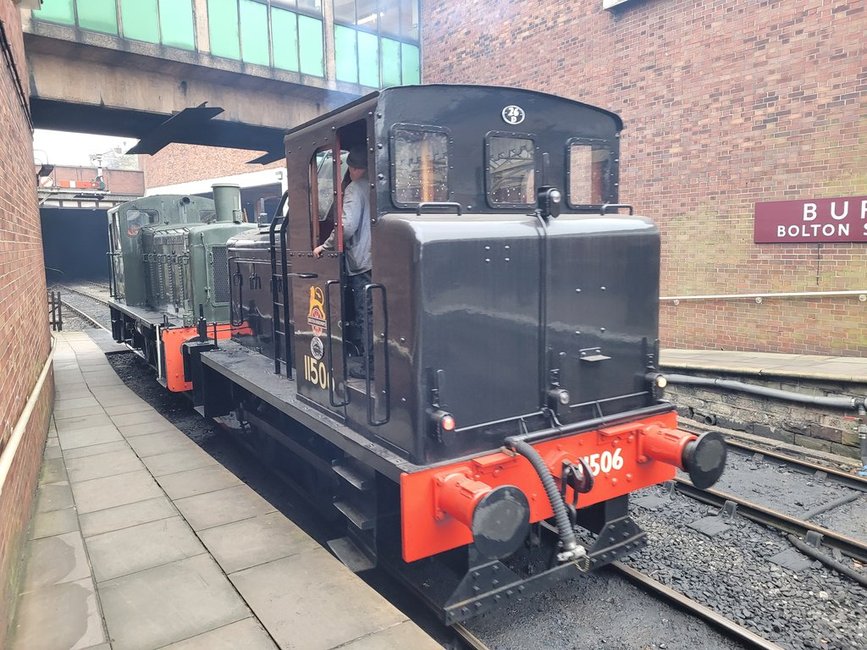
point(729, 628)
point(86, 304)
point(773, 518)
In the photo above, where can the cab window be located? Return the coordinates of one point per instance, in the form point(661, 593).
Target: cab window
point(420, 171)
point(511, 170)
point(589, 169)
point(322, 214)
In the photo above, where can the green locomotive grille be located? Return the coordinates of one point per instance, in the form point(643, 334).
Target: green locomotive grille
point(220, 273)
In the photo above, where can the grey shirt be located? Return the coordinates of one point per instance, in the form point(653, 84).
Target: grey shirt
point(356, 227)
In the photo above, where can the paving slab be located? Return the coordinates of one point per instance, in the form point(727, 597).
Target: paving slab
point(88, 437)
point(246, 634)
point(128, 550)
point(194, 597)
point(146, 428)
point(54, 522)
point(154, 444)
point(132, 514)
point(139, 417)
point(56, 496)
point(222, 507)
point(52, 451)
point(132, 407)
point(53, 560)
point(196, 481)
point(178, 461)
point(109, 464)
point(93, 450)
point(102, 493)
point(110, 550)
point(84, 422)
point(53, 471)
point(75, 402)
point(246, 543)
point(61, 414)
point(403, 635)
point(336, 606)
point(73, 618)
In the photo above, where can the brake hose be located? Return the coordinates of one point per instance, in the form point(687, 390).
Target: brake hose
point(571, 549)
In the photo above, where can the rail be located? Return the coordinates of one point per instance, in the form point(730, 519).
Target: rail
point(727, 626)
point(780, 521)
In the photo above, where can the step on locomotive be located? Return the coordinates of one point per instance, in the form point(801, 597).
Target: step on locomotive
point(510, 401)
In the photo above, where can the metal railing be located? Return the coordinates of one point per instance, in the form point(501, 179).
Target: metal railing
point(759, 297)
point(55, 311)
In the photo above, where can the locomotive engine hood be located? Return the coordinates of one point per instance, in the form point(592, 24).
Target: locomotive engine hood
point(505, 316)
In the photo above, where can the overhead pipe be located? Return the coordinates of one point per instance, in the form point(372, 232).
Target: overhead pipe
point(858, 404)
point(847, 403)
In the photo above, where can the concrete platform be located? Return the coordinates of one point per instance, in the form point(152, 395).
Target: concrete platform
point(141, 540)
point(765, 364)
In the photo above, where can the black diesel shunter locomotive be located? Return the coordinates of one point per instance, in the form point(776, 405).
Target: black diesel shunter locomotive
point(512, 401)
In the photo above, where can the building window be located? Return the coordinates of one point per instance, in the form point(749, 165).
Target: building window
point(511, 170)
point(284, 34)
point(420, 165)
point(588, 169)
point(376, 42)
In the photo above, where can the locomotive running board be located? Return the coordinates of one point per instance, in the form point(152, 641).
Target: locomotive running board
point(255, 373)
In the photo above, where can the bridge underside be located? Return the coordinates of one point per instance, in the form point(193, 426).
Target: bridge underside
point(89, 88)
point(155, 130)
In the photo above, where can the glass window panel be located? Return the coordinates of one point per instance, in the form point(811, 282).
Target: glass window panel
point(389, 18)
point(409, 19)
point(57, 11)
point(311, 49)
point(283, 3)
point(421, 166)
point(410, 71)
point(223, 28)
point(390, 63)
point(254, 32)
point(311, 5)
point(511, 171)
point(368, 59)
point(344, 11)
point(367, 14)
point(100, 16)
point(176, 24)
point(284, 35)
point(139, 19)
point(345, 56)
point(589, 167)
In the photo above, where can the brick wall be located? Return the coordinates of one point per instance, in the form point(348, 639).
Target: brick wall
point(816, 427)
point(118, 181)
point(181, 163)
point(24, 337)
point(726, 103)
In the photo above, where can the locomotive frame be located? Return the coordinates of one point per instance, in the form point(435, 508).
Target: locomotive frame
point(514, 338)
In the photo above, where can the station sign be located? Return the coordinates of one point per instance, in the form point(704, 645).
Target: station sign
point(811, 221)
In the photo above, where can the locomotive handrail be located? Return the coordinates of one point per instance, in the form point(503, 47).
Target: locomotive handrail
point(368, 353)
point(329, 349)
point(616, 206)
point(240, 282)
point(594, 423)
point(431, 205)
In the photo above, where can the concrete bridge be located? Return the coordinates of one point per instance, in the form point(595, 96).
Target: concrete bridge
point(233, 73)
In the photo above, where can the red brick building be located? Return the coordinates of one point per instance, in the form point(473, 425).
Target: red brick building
point(26, 385)
point(726, 104)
